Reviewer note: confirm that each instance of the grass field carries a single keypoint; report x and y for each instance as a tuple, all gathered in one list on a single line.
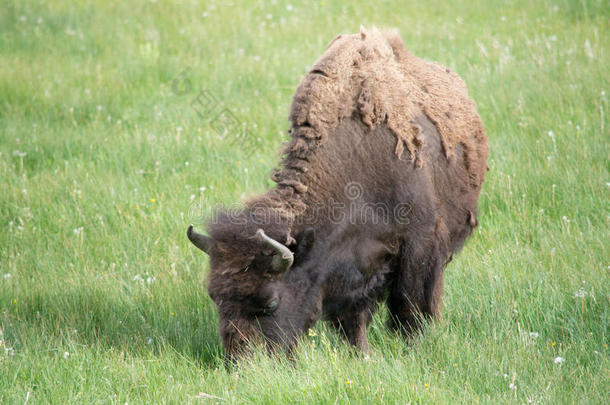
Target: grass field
[(109, 149)]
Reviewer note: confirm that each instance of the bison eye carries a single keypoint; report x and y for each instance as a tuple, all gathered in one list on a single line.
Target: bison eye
[(271, 306)]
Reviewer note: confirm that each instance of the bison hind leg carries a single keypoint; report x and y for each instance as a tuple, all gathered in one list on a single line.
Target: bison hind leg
[(415, 294)]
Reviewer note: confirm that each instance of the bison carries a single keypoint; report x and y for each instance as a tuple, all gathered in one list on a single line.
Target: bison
[(377, 189)]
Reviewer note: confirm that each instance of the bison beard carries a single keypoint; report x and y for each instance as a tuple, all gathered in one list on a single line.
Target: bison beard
[(377, 189)]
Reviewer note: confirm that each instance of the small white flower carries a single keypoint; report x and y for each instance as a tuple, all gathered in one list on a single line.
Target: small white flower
[(534, 335), (150, 280), (66, 355), (138, 277), (149, 341), (512, 386), (7, 276), (179, 129), (204, 14), (559, 360), (99, 107), (202, 189), (289, 7), (78, 231), (551, 133), (581, 293)]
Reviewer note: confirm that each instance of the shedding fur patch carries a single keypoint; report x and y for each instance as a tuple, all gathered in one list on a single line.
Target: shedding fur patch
[(372, 74)]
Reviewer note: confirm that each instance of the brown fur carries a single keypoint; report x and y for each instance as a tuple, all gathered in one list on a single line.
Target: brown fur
[(405, 129)]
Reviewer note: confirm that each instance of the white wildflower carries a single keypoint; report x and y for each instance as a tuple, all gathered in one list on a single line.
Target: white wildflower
[(150, 280), (7, 276), (138, 277), (588, 49), (559, 360), (78, 231), (66, 355), (581, 293)]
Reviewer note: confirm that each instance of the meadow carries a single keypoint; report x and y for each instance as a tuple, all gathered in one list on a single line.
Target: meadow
[(117, 130)]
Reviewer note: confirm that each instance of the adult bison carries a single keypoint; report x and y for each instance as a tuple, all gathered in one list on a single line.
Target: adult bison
[(377, 189)]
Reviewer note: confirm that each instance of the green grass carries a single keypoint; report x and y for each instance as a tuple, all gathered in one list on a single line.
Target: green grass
[(102, 167)]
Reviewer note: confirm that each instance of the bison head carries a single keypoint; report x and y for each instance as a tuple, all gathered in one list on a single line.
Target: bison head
[(249, 284)]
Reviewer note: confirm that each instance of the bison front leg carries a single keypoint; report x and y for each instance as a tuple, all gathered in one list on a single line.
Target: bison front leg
[(353, 327), (416, 292)]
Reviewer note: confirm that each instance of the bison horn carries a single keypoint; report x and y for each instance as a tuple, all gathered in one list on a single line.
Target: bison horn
[(201, 241), (283, 258)]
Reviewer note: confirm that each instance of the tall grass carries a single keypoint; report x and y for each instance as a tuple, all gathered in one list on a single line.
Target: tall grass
[(104, 162)]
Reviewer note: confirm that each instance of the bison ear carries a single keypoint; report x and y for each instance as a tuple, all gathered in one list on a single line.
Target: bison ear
[(305, 241)]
